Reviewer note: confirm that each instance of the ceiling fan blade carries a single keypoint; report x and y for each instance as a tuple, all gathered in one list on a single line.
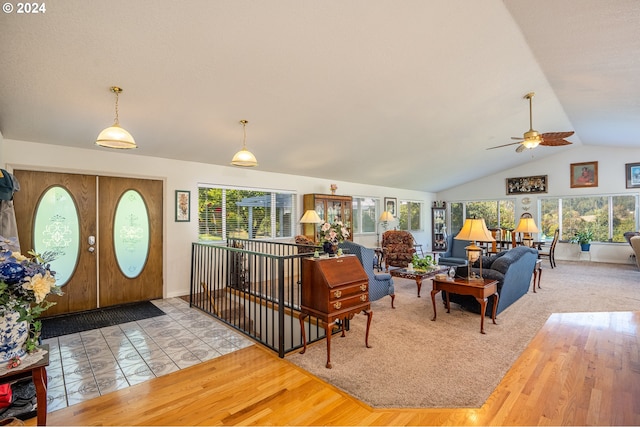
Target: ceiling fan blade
[(517, 138), (556, 135), (521, 148), (555, 142), (504, 145)]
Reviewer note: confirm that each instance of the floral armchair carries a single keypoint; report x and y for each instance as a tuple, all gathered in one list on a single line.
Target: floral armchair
[(305, 245), (397, 247)]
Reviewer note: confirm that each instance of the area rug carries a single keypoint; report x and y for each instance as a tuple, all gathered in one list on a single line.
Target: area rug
[(99, 318), (417, 363)]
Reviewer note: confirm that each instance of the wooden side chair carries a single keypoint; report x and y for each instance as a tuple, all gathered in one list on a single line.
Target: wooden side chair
[(551, 252)]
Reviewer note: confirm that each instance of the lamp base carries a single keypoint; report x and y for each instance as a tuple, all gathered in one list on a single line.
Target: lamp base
[(476, 279)]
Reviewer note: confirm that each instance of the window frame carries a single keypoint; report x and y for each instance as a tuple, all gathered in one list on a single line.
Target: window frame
[(273, 207), (610, 209), (406, 224)]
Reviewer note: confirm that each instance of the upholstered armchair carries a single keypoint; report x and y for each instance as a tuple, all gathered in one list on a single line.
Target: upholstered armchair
[(381, 284), (398, 248), (305, 245)]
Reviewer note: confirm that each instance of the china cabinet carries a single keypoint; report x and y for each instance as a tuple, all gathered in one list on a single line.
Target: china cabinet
[(330, 208), (439, 228)]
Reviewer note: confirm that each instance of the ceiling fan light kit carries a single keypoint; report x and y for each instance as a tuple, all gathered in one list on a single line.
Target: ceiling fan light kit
[(532, 138)]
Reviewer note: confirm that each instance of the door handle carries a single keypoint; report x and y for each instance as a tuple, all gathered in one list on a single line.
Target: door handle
[(91, 240)]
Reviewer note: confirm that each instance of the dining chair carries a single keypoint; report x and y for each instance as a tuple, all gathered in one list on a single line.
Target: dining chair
[(551, 252)]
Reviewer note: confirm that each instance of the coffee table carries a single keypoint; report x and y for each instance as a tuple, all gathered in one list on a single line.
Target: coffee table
[(418, 275), (480, 289)]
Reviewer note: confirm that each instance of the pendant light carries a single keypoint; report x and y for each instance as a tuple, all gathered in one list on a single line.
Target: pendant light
[(116, 136), (244, 157)]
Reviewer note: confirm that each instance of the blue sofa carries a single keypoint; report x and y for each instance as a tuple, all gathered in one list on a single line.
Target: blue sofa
[(381, 284), (512, 269), (455, 255)]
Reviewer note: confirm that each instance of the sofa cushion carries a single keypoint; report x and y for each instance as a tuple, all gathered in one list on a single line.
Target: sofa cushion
[(487, 261)]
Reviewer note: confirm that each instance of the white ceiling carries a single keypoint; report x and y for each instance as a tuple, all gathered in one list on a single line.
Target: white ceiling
[(405, 93)]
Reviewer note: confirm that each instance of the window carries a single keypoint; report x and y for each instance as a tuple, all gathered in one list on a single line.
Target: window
[(609, 217), (410, 216), (496, 213), (365, 214), (250, 214)]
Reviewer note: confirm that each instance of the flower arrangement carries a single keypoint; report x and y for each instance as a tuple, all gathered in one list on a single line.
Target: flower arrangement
[(25, 283), (333, 233)]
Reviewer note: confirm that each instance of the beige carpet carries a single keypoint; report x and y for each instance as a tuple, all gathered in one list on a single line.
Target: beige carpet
[(415, 362)]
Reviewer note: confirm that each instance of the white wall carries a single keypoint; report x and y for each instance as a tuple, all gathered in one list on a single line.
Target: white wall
[(180, 175), (611, 180)]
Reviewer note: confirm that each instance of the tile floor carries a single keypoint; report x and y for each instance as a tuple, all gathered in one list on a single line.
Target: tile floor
[(92, 363)]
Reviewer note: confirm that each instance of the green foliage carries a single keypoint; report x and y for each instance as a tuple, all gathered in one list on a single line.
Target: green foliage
[(425, 263), (582, 237)]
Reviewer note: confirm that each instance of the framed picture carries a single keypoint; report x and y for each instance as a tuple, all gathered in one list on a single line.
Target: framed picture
[(527, 184), (390, 205), (183, 206), (584, 174), (633, 175)]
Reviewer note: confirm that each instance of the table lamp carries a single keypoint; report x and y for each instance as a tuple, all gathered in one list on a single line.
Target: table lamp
[(310, 217), (527, 226), (474, 230)]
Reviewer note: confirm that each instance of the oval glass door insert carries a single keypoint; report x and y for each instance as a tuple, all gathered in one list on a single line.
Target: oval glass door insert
[(131, 233), (56, 228)]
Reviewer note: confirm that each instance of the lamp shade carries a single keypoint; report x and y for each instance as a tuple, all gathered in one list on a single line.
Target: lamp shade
[(311, 217), (475, 229), (527, 225), (386, 216), (244, 158), (116, 137)]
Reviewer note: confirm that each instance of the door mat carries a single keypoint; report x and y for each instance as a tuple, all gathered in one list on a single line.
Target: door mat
[(93, 319)]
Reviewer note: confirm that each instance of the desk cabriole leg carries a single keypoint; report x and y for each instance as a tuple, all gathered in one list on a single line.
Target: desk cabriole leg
[(369, 314), (40, 383), (301, 317)]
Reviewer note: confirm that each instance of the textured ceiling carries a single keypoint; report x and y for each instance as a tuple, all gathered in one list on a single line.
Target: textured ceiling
[(405, 94)]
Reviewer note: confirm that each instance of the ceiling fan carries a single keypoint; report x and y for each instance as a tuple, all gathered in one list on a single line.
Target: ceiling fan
[(532, 138)]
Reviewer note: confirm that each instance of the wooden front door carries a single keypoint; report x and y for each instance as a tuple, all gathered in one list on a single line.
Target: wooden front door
[(96, 280)]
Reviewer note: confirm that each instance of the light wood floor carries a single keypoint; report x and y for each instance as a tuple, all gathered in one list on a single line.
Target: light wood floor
[(580, 369)]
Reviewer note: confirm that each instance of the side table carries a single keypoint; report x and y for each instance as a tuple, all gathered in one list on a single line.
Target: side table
[(38, 372), (478, 289)]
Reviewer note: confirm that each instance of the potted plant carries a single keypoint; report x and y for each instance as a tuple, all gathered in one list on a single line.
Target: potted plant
[(583, 238)]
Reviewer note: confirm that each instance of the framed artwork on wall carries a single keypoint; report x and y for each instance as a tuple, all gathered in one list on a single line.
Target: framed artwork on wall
[(527, 185), (390, 205), (183, 206), (584, 174), (633, 175)]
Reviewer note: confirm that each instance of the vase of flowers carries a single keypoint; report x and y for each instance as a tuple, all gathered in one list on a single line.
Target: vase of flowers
[(25, 283), (331, 235)]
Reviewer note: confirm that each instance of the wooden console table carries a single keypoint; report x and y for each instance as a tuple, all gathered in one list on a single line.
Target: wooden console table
[(38, 372), (478, 289), (333, 289)]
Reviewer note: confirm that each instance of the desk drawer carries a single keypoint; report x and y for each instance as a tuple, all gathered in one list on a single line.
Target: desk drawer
[(336, 294)]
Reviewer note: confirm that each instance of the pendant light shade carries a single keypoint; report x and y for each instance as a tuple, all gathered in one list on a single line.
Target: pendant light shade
[(244, 157), (115, 136)]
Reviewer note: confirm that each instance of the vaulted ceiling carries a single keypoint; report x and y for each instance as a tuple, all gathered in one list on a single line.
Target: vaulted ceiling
[(406, 93)]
